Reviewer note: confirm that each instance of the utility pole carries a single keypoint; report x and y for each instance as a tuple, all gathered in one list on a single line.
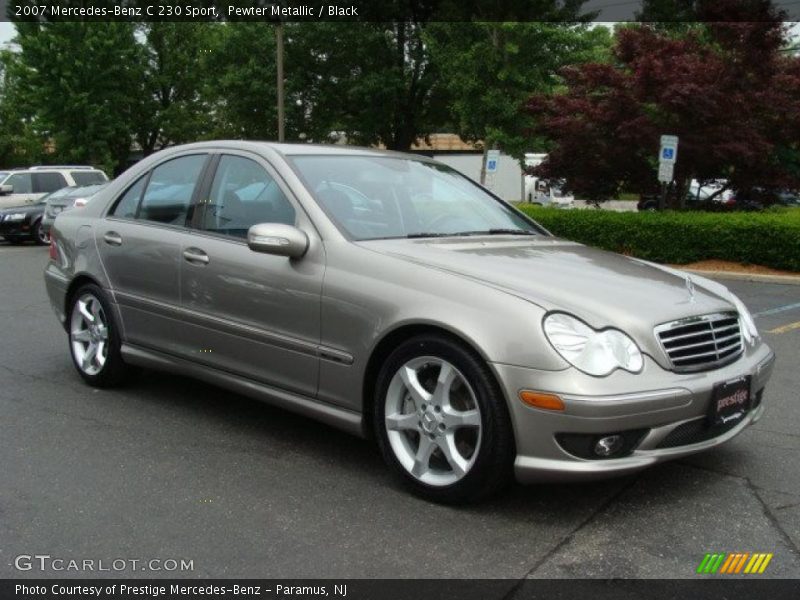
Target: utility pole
[(279, 49)]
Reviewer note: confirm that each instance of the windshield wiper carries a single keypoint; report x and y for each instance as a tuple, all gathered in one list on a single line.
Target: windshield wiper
[(505, 231), (425, 234)]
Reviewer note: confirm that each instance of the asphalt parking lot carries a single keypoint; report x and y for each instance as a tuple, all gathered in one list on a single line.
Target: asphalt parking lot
[(171, 468)]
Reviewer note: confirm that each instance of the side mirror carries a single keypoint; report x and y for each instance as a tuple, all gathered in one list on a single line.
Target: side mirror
[(6, 189), (277, 239)]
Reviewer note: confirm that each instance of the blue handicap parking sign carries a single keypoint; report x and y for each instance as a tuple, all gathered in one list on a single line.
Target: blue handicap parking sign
[(491, 165), (668, 153)]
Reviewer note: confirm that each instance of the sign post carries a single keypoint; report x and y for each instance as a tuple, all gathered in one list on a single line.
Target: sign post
[(667, 156), (492, 160)]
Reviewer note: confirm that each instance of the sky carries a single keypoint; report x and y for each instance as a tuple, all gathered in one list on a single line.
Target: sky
[(6, 32)]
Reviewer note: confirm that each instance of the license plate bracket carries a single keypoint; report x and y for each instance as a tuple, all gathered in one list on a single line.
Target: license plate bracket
[(730, 401)]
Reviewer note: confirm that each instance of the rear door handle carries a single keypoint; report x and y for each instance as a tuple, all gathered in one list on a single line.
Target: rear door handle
[(195, 256), (112, 238)]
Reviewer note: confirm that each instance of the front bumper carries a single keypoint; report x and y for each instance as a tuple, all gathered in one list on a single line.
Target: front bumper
[(670, 408), (16, 229)]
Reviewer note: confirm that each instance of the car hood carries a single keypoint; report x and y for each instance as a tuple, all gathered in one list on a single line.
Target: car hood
[(602, 288)]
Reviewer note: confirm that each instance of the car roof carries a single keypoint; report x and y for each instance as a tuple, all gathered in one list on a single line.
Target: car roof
[(299, 149), (32, 170)]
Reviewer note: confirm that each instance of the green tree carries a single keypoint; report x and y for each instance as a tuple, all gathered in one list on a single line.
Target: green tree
[(81, 85), (174, 105), (241, 83), (19, 144), (491, 69), (374, 82)]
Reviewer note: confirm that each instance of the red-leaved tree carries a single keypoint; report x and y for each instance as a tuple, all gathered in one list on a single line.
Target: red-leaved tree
[(725, 87)]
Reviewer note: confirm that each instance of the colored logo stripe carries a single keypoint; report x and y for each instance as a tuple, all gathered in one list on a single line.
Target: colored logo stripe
[(734, 563)]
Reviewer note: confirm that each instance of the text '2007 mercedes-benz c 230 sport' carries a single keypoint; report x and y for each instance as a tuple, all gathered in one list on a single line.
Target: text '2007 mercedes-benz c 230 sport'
[(393, 297)]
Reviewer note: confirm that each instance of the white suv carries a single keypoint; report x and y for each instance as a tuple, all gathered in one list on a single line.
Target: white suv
[(25, 186)]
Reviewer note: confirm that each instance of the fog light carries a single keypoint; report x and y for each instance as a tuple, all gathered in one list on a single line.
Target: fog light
[(609, 445)]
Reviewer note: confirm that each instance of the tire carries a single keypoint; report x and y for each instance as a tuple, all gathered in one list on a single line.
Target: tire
[(105, 367), (448, 435), (39, 236)]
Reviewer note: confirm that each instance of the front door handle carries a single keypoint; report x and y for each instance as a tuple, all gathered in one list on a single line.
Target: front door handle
[(195, 256), (112, 238)]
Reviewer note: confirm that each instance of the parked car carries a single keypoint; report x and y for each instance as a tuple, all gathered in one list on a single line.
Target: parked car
[(25, 186), (711, 196), (65, 199), (758, 197), (19, 224), (788, 198), (541, 192), (713, 191), (436, 318)]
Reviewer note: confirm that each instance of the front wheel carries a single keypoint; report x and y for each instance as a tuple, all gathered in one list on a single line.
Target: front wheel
[(94, 340), (40, 236), (441, 421)]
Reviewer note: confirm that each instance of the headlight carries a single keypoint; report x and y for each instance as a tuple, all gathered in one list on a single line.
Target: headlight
[(749, 331), (15, 217), (593, 352)]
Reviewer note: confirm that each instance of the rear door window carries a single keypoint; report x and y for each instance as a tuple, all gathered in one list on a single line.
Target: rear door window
[(170, 189), (127, 205), (46, 182)]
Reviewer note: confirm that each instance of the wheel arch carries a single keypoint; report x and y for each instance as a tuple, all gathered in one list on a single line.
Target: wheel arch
[(390, 340)]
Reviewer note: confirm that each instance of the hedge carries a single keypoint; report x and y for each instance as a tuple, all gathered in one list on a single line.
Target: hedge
[(769, 238)]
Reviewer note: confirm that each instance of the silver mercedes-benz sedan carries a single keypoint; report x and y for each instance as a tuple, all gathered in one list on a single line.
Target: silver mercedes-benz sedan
[(391, 296)]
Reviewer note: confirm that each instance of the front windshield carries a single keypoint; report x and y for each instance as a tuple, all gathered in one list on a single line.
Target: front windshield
[(3, 176), (385, 197)]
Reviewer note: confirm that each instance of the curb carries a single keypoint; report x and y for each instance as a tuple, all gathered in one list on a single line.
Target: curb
[(754, 277)]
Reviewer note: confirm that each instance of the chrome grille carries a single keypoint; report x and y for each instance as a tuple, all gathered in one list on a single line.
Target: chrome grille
[(701, 343)]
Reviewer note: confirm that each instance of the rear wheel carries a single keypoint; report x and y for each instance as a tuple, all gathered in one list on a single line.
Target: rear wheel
[(94, 340), (441, 422)]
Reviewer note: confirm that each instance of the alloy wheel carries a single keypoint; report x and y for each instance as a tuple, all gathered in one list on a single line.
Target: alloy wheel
[(41, 235), (89, 334), (433, 421)]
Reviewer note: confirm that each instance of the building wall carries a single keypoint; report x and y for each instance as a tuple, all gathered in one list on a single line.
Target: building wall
[(506, 182)]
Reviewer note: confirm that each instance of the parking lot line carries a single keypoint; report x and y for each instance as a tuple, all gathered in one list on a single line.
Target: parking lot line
[(775, 311), (785, 328)]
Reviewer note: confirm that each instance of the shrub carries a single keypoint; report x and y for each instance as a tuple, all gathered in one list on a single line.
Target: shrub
[(769, 238)]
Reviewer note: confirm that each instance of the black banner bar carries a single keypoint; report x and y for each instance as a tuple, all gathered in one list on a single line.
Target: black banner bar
[(743, 587), (395, 10)]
